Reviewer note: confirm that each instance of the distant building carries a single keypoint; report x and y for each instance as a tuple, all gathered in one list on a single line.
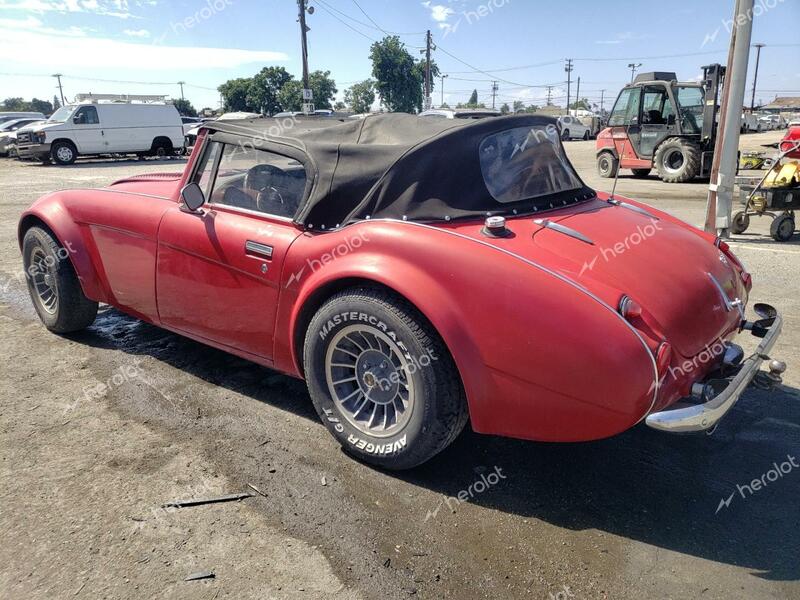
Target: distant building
[(783, 104)]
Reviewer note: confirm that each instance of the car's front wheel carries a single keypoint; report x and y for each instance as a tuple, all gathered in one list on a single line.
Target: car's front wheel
[(382, 380), (63, 153), (53, 285)]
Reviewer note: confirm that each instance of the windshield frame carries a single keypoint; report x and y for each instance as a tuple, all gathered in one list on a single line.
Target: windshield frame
[(67, 110)]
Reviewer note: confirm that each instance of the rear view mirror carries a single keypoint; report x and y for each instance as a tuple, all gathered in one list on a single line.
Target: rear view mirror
[(192, 197)]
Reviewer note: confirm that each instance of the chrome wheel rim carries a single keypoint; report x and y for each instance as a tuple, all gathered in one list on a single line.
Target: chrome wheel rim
[(64, 153), (369, 380), (44, 281)]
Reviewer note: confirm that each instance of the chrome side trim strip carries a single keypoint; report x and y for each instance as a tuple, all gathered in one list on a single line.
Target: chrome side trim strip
[(258, 248), (566, 280), (563, 229), (633, 207)]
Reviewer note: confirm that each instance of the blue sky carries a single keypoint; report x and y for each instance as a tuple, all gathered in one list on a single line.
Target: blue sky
[(205, 42)]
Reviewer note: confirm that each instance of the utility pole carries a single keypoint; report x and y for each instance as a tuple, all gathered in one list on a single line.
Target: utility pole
[(427, 103), (633, 67), (181, 83), (568, 69), (442, 77), (602, 97), (549, 95), (719, 204), (308, 106), (755, 77), (577, 96), (60, 89), (494, 92)]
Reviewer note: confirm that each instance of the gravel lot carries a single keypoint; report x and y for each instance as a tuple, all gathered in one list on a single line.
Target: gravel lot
[(84, 475)]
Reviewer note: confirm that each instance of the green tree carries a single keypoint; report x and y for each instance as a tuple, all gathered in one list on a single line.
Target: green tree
[(398, 78), (43, 106), (262, 94), (339, 106), (14, 104), (56, 103), (583, 104), (360, 96), (473, 99), (505, 108), (518, 106), (290, 96), (234, 94), (185, 108)]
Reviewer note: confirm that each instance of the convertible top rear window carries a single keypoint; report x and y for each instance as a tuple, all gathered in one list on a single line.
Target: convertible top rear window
[(525, 163)]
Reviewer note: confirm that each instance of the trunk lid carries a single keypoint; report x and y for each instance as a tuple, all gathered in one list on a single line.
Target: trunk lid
[(663, 266)]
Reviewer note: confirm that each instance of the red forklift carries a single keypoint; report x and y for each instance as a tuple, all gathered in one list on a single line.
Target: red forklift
[(658, 122)]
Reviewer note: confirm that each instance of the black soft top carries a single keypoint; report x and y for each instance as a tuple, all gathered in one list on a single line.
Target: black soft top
[(395, 165)]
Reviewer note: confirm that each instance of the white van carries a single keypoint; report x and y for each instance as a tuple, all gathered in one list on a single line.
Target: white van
[(90, 128)]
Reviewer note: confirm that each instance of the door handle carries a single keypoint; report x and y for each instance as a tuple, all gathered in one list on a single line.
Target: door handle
[(258, 249)]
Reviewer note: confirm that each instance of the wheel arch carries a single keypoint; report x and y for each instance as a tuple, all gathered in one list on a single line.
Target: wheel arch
[(441, 316), (53, 218)]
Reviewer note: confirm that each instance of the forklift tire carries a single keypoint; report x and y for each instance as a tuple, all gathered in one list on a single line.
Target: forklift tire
[(740, 222), (607, 165), (782, 228), (640, 173), (677, 160)]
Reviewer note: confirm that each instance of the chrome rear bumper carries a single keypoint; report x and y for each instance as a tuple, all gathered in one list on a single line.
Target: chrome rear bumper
[(701, 417)]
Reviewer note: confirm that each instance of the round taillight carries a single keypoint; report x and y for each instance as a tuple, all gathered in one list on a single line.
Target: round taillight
[(629, 308)]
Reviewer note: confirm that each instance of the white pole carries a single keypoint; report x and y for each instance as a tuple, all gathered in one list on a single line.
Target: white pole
[(728, 144)]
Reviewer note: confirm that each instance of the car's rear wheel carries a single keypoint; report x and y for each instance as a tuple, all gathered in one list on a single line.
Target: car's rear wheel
[(63, 153), (53, 285), (607, 165), (565, 135), (382, 380), (585, 135), (162, 148)]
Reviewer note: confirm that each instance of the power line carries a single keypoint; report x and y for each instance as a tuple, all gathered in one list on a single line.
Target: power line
[(371, 20)]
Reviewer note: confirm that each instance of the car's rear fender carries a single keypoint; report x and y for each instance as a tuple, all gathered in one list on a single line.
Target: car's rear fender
[(540, 357)]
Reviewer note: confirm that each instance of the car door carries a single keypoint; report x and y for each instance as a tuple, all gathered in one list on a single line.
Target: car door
[(658, 119), (87, 130), (219, 269)]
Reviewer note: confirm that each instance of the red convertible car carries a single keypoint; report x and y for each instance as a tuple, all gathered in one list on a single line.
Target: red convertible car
[(418, 274)]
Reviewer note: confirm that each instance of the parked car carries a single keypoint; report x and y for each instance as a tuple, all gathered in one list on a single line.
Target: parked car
[(11, 141), (13, 116), (93, 128), (750, 123), (573, 129), (234, 116), (460, 113), (190, 123), (8, 132), (358, 255)]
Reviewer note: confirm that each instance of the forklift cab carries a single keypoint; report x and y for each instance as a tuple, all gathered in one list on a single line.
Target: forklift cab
[(651, 112)]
